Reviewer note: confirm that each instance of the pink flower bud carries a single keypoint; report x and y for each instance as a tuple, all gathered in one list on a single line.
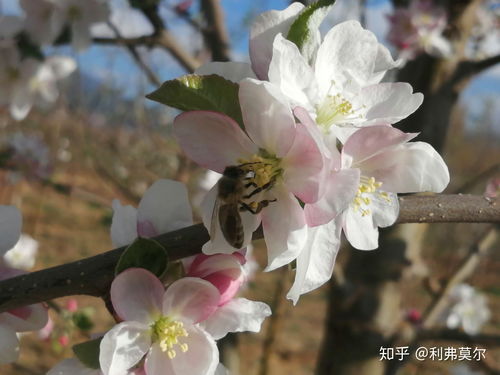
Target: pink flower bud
[(72, 305), (492, 188), (414, 316), (63, 340), (224, 271)]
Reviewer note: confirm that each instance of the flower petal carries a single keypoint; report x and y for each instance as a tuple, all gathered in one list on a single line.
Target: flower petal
[(385, 209), (72, 366), (201, 358), (165, 205), (315, 263), (267, 116), (123, 346), (10, 227), (191, 299), (348, 52), (290, 71), (9, 345), (411, 167), (369, 142), (238, 315), (213, 140), (303, 167), (284, 228), (389, 102), (262, 33), (137, 295), (123, 224), (26, 318), (233, 71), (360, 230), (341, 189)]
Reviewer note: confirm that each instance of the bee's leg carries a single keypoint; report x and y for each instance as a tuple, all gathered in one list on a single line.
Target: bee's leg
[(251, 183), (264, 187), (261, 205)]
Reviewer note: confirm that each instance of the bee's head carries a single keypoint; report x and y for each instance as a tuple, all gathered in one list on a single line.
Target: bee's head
[(234, 171)]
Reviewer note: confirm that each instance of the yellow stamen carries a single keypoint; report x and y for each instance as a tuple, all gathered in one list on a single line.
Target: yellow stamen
[(167, 332), (368, 185)]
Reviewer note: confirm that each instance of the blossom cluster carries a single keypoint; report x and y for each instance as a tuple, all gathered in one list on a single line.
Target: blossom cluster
[(308, 152), (27, 77)]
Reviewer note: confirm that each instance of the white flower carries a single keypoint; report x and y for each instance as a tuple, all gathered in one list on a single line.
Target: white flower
[(47, 18), (419, 28), (469, 309), (163, 208), (23, 254), (170, 328)]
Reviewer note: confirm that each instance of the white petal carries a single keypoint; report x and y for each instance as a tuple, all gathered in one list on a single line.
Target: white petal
[(10, 227), (290, 71), (61, 66), (9, 345), (123, 224), (348, 51), (238, 315), (385, 209), (360, 230), (263, 31), (284, 228), (166, 205), (123, 346), (388, 103), (267, 116), (201, 358), (233, 71), (409, 168), (315, 262)]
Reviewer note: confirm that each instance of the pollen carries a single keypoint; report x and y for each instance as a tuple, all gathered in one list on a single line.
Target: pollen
[(335, 109), (167, 332), (264, 168), (363, 198)]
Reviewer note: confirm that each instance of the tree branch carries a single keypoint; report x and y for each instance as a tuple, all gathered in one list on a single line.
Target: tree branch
[(467, 69), (93, 276), (136, 56), (215, 33)]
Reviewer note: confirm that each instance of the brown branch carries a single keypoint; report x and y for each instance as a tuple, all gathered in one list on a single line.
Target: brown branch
[(215, 33), (136, 56), (92, 276), (467, 69)]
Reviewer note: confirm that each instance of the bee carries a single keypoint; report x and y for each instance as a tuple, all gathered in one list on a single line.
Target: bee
[(231, 193)]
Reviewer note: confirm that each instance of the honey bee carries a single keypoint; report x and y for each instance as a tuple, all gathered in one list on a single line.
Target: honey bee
[(231, 193)]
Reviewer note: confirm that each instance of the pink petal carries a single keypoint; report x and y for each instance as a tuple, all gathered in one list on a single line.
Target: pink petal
[(368, 142), (304, 167), (267, 116), (213, 140), (341, 188), (136, 295), (190, 299)]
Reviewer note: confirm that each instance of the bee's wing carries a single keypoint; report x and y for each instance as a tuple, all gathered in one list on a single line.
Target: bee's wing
[(231, 225), (214, 221)]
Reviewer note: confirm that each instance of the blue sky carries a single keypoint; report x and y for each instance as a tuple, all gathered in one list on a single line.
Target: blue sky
[(114, 65)]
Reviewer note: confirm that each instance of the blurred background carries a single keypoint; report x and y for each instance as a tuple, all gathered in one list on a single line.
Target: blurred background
[(97, 138)]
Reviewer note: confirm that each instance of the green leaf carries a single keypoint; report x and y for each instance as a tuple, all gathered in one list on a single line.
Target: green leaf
[(82, 321), (144, 253), (88, 353), (193, 92), (304, 30)]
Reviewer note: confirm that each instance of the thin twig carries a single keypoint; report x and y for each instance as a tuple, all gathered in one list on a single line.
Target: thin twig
[(480, 178), (93, 276), (136, 56), (467, 267)]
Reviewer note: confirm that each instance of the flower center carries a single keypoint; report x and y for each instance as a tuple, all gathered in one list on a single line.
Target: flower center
[(362, 200), (335, 109), (264, 169), (167, 332)]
